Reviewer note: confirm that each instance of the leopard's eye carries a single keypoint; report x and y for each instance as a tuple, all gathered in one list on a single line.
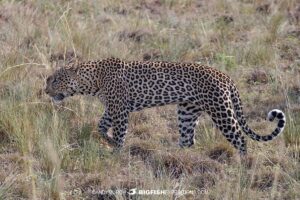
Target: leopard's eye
[(55, 81)]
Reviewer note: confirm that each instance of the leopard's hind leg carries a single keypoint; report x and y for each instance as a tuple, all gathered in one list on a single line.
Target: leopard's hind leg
[(230, 129), (227, 123), (187, 120)]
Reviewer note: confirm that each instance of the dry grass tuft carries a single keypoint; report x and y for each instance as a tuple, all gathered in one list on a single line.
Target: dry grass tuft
[(136, 36), (206, 180), (265, 180), (258, 76), (221, 153), (66, 57), (142, 131), (4, 136), (152, 55), (183, 163), (264, 9), (142, 150), (248, 161)]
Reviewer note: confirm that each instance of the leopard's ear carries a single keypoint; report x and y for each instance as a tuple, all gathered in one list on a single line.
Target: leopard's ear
[(72, 68)]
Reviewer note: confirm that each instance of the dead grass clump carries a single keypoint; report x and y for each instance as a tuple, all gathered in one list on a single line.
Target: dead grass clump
[(78, 184), (3, 18), (153, 7), (182, 163), (258, 76), (273, 161), (206, 165), (294, 152), (6, 128), (137, 118), (221, 153), (129, 184), (91, 180), (136, 36), (151, 55), (264, 9), (4, 137), (265, 180), (204, 181), (142, 150), (172, 165), (263, 104), (67, 57), (294, 91), (289, 52), (143, 131), (105, 196), (10, 162), (225, 19), (27, 43), (4, 90), (294, 33), (14, 186), (117, 10), (248, 161), (150, 124), (13, 181), (294, 15)]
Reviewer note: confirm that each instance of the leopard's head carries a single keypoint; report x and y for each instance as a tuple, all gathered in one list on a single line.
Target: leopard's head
[(62, 83)]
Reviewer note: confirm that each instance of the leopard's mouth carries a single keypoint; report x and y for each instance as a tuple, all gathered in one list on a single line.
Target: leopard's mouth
[(58, 97)]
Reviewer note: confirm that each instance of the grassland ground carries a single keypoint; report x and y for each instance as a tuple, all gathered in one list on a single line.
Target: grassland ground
[(52, 151)]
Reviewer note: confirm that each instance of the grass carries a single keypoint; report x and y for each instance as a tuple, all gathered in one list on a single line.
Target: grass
[(54, 152)]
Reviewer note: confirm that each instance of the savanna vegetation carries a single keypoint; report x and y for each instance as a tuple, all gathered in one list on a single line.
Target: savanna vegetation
[(50, 151)]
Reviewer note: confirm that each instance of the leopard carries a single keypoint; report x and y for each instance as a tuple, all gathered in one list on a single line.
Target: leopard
[(124, 87)]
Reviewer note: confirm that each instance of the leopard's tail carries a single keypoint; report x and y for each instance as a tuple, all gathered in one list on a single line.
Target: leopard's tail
[(272, 115)]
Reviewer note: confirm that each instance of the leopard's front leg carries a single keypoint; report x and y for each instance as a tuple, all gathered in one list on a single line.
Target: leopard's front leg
[(118, 121), (104, 124), (120, 125), (116, 97)]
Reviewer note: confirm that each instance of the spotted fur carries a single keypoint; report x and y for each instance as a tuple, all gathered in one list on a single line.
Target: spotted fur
[(124, 87)]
